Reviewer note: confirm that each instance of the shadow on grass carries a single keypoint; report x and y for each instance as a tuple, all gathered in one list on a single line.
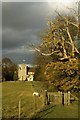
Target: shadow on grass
[(47, 109)]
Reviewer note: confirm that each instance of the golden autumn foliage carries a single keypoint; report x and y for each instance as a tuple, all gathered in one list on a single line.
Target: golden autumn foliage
[(64, 75), (58, 43)]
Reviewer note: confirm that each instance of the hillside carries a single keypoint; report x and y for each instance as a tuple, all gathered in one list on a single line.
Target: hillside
[(54, 111), (23, 91), (0, 73), (32, 107)]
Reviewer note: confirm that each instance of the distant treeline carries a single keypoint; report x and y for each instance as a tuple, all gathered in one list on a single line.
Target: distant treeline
[(9, 70)]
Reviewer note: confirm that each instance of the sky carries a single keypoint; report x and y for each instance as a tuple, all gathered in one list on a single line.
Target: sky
[(21, 24)]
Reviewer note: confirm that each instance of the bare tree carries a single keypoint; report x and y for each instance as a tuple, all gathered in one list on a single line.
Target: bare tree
[(60, 35)]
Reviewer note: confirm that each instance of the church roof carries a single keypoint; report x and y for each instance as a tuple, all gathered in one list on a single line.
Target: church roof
[(31, 70)]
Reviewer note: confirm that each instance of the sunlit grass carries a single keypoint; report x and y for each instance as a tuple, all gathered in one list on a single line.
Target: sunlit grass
[(15, 91), (58, 111), (31, 106)]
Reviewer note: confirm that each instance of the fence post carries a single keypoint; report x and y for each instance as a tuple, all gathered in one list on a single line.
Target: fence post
[(19, 109), (65, 98), (34, 103), (45, 97), (49, 98), (60, 97), (68, 96)]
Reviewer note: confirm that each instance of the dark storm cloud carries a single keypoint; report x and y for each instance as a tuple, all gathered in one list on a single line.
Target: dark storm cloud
[(0, 32), (22, 16), (22, 22), (12, 38)]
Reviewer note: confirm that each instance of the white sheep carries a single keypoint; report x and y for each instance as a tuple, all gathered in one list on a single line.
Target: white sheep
[(36, 94)]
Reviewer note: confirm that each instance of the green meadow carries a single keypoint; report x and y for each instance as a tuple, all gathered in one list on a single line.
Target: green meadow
[(15, 92), (18, 102), (58, 111)]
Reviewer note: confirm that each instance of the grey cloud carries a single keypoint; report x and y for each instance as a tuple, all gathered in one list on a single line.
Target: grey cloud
[(24, 15), (21, 22), (19, 57), (13, 39)]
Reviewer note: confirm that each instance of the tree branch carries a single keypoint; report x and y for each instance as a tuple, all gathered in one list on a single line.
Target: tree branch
[(45, 54), (67, 20)]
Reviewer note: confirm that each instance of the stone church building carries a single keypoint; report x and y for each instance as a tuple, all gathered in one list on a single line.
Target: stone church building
[(25, 73)]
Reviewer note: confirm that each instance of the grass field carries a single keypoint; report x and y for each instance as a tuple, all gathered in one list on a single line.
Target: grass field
[(58, 111), (30, 106), (23, 91), (0, 100)]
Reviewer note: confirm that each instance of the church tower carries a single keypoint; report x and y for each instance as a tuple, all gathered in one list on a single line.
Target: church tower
[(22, 72)]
